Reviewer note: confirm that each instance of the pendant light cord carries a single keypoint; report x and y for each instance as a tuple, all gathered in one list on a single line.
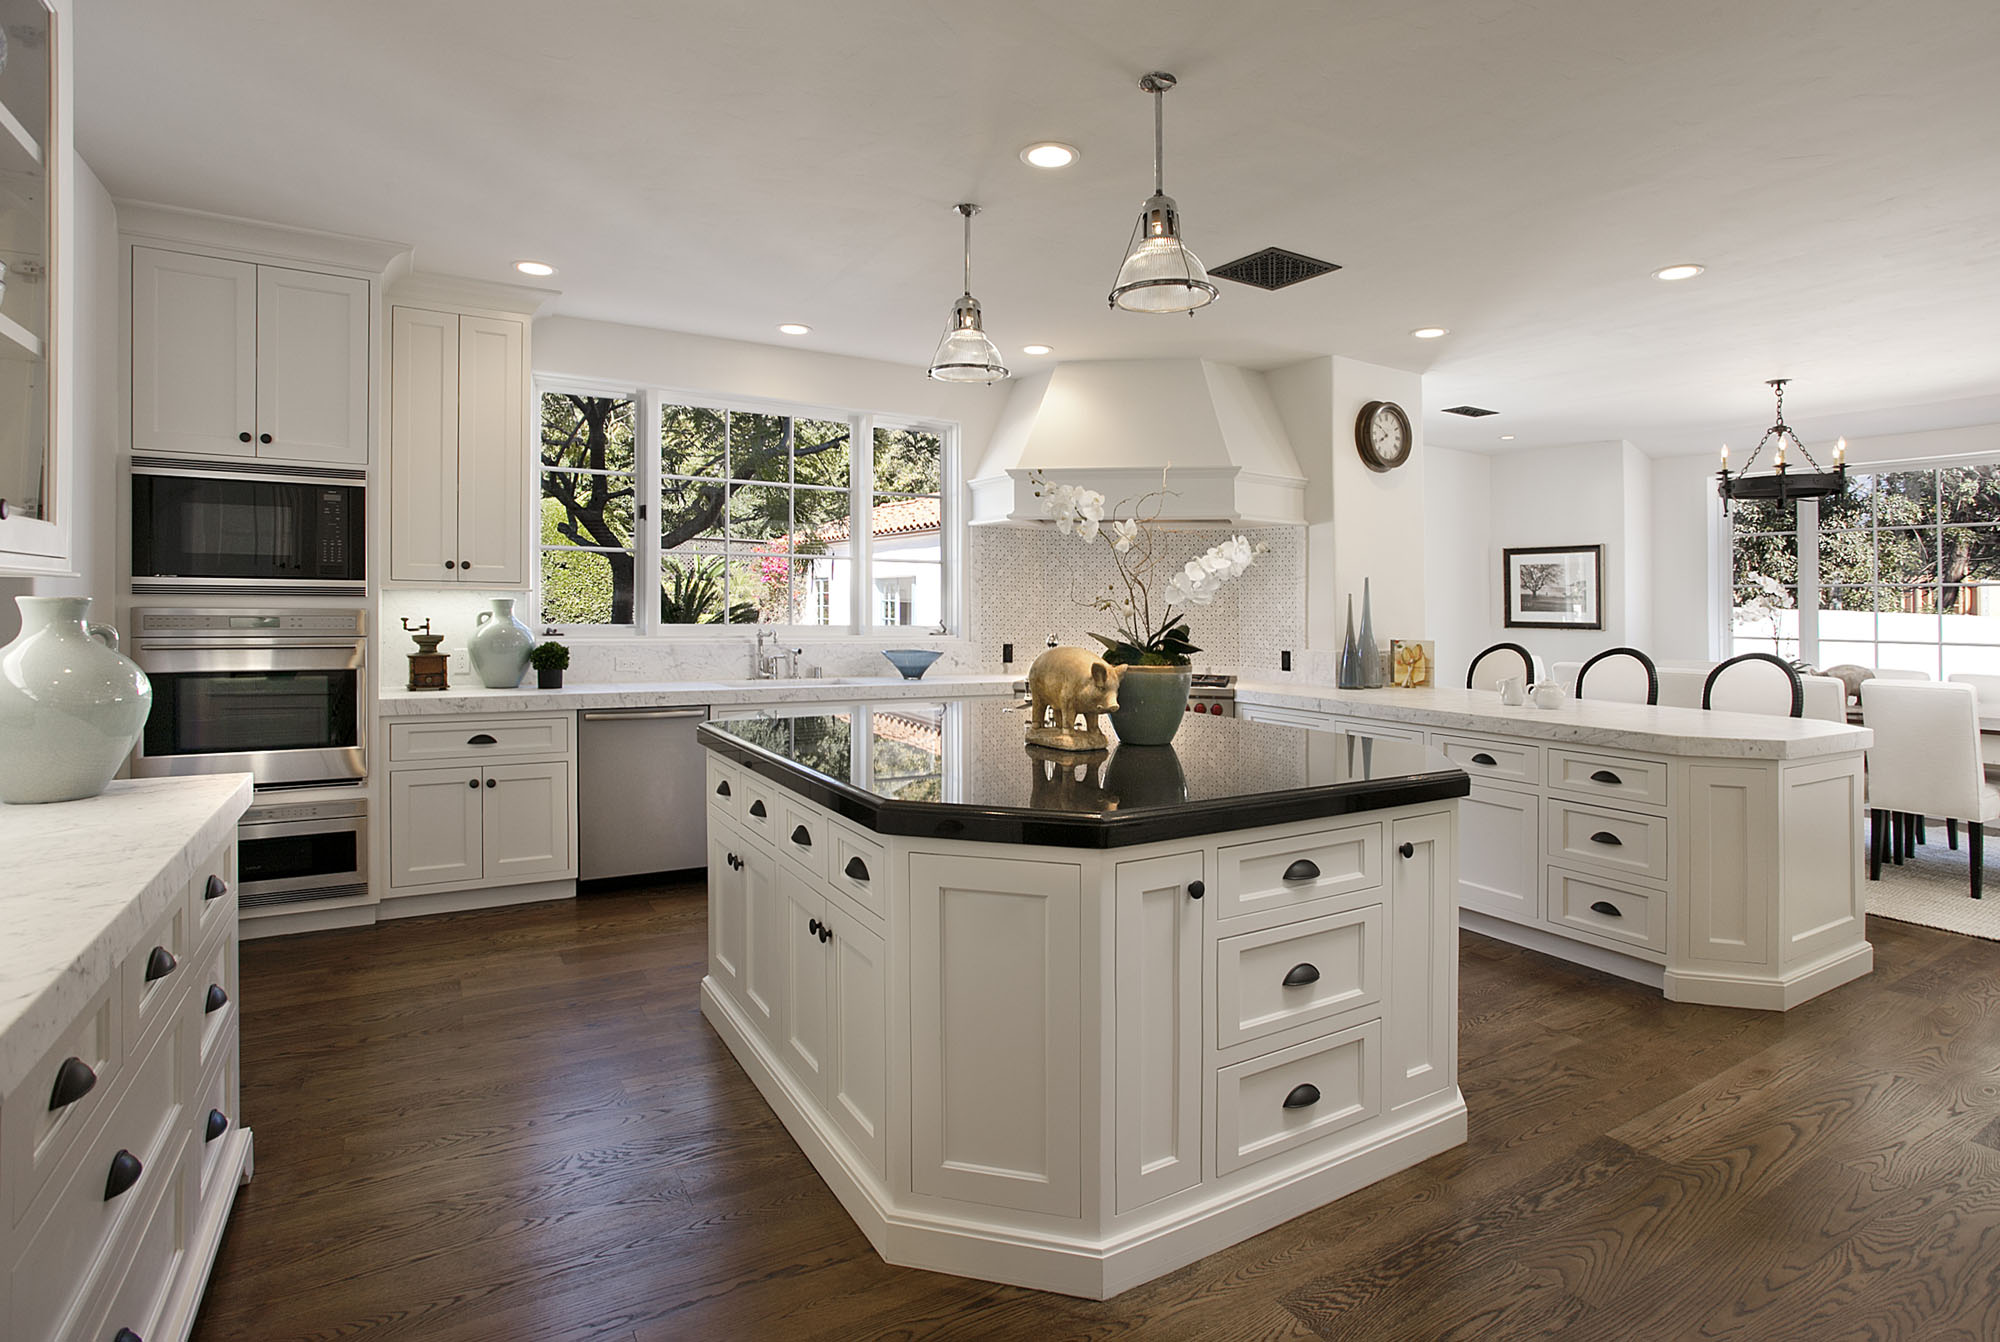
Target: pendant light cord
[(967, 210), (1159, 138)]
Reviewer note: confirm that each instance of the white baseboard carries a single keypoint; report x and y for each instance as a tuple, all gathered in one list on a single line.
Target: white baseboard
[(1563, 948), (459, 901)]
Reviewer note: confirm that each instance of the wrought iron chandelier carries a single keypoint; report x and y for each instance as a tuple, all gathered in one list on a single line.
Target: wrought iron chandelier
[(1160, 274), (1783, 484)]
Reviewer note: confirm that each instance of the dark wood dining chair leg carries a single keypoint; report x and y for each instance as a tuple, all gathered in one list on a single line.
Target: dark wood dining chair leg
[(1923, 835), (1899, 836), (1951, 834), (1975, 839), (1878, 838)]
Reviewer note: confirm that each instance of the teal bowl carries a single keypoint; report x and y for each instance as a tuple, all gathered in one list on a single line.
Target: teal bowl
[(912, 662)]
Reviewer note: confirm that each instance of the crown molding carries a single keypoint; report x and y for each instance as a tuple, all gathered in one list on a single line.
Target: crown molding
[(254, 240)]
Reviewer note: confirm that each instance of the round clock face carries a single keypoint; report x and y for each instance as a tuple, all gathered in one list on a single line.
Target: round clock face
[(1382, 433)]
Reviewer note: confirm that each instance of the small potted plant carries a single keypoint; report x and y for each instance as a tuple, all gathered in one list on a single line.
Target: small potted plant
[(549, 661)]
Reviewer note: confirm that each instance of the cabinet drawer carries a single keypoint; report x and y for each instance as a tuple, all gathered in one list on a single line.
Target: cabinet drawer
[(34, 1137), (1508, 761), (1289, 717), (138, 1282), (218, 1094), (725, 788), (1619, 840), (1302, 1094), (1285, 976), (155, 973), (1619, 780), (763, 804), (1283, 873), (214, 897), (64, 1248), (478, 738), (802, 835), (1591, 904), (213, 981), (858, 868)]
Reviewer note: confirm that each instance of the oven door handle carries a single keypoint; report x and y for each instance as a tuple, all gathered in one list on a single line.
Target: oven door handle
[(184, 659)]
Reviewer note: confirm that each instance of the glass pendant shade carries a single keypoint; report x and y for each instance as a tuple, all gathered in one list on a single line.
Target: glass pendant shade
[(1160, 274), (966, 354)]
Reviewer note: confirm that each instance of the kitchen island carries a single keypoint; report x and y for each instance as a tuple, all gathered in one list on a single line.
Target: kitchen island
[(1071, 1021)]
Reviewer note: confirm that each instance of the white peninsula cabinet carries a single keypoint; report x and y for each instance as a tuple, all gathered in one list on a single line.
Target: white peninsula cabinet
[(1076, 1045), (1716, 856)]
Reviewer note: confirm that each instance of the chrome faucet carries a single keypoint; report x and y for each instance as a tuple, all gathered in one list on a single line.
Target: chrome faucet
[(763, 665)]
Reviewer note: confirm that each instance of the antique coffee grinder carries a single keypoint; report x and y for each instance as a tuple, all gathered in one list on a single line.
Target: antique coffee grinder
[(427, 664)]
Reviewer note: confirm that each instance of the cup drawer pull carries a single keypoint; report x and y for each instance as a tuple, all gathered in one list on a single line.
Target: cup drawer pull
[(1483, 758), (125, 1171), (801, 836), (1606, 777), (1300, 975), (482, 739), (74, 1080), (218, 1123), (1607, 908), (722, 788), (1303, 1096), (1607, 838), (217, 999), (1305, 869), (160, 963), (757, 809), (856, 869), (215, 889)]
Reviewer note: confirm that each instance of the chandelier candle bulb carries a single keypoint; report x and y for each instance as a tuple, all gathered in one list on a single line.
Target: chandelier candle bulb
[(1840, 452)]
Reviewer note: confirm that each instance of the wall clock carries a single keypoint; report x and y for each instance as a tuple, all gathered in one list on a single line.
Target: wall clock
[(1382, 432)]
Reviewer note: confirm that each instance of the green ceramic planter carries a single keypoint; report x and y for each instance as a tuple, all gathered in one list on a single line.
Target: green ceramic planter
[(1152, 700)]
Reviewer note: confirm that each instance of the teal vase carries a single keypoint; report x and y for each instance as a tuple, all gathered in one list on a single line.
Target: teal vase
[(499, 647), (1152, 700)]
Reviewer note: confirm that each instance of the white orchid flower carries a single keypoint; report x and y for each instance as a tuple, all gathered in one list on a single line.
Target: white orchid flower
[(1124, 531), (1087, 528)]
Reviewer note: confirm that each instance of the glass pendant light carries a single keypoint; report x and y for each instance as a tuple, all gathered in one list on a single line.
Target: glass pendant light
[(1160, 274), (965, 354)]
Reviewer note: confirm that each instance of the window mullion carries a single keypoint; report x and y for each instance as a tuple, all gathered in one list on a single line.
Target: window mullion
[(646, 534), (861, 521), (1808, 586)]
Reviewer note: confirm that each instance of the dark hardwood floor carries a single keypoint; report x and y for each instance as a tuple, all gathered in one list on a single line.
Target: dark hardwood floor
[(515, 1125)]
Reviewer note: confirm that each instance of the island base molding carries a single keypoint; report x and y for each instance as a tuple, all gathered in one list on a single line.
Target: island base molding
[(1091, 1269)]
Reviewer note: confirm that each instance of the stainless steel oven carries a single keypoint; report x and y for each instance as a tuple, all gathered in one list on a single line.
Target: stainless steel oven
[(298, 852), (251, 528), (274, 693)]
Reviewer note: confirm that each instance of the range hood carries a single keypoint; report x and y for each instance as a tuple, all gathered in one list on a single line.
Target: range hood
[(1110, 426)]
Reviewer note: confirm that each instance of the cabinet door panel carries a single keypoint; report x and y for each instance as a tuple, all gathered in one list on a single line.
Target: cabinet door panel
[(527, 822), (1421, 1040), (726, 940), (435, 826), (802, 1046), (996, 1031), (493, 452), (857, 1003), (194, 354), (312, 366), (765, 947), (423, 445), (1158, 1028), (1500, 865)]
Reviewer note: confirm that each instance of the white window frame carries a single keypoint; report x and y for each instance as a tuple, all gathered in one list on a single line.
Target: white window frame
[(646, 622)]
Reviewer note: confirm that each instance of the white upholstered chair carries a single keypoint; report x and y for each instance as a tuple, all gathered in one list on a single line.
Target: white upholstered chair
[(1497, 663), (1925, 761), (1988, 690), (1755, 682), (1621, 675)]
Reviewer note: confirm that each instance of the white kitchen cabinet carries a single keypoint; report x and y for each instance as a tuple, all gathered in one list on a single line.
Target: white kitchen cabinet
[(1158, 1021), (1420, 1046), (727, 943), (488, 816), (231, 359), (803, 952), (857, 1047), (459, 453), (436, 826), (527, 822), (1500, 835), (764, 946)]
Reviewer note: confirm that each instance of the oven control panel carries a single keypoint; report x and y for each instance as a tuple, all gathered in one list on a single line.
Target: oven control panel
[(278, 812), (250, 623)]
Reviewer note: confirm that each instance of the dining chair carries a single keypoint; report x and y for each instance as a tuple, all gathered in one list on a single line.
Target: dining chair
[(1622, 675), (1755, 682), (1925, 761), (1891, 673), (1495, 664)]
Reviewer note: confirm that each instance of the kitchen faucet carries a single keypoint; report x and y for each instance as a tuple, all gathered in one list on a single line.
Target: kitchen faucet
[(766, 664)]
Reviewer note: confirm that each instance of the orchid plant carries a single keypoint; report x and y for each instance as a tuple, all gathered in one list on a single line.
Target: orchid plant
[(1146, 636)]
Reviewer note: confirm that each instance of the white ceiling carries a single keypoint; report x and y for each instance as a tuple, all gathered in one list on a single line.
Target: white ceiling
[(1510, 169)]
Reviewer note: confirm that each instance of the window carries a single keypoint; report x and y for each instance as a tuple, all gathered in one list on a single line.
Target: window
[(1902, 571), (757, 515)]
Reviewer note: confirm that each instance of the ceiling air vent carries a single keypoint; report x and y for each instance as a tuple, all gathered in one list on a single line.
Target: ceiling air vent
[(1470, 411), (1273, 268)]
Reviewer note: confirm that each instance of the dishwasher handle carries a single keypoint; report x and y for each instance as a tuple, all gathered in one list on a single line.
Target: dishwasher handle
[(641, 714)]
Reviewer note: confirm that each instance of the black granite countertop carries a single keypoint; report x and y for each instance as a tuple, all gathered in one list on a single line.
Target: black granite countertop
[(958, 769)]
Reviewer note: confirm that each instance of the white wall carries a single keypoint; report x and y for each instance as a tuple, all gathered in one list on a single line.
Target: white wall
[(1461, 567), (1686, 593)]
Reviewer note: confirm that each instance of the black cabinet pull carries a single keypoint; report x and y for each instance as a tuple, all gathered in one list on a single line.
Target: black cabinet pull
[(1305, 869), (492, 783), (218, 1123), (1196, 889), (812, 926), (263, 437), (465, 564), (126, 1335), (1483, 758), (472, 782), (483, 739), (1408, 850), (1607, 908), (1607, 777), (1607, 838), (757, 809), (801, 837), (125, 1171), (160, 963), (1301, 975), (825, 933), (243, 437), (856, 869), (722, 788), (215, 889), (217, 999), (1303, 1096), (74, 1080)]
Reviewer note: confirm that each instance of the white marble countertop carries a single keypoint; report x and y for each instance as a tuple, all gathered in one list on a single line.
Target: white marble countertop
[(85, 879), (401, 703), (1611, 726)]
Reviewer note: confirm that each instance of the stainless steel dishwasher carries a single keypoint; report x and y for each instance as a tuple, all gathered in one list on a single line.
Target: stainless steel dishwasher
[(639, 803)]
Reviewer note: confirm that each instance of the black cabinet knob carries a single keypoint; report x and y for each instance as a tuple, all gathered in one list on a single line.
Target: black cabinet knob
[(801, 837), (722, 788), (263, 437), (218, 1123), (465, 563), (1606, 776), (757, 809), (243, 437), (1300, 975), (1305, 869), (217, 999), (160, 963), (825, 933), (856, 869), (1303, 1096), (1607, 838), (74, 1080), (215, 889), (1483, 758), (450, 564), (812, 926), (492, 783), (1607, 908), (1196, 889), (1408, 850), (482, 739), (125, 1171)]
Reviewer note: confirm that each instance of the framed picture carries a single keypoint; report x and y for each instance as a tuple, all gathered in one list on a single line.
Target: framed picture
[(1553, 586)]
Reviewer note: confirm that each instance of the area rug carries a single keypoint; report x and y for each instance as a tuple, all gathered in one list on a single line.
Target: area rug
[(1931, 888)]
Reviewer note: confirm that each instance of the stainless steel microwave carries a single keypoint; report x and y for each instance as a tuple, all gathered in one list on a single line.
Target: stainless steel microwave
[(252, 528)]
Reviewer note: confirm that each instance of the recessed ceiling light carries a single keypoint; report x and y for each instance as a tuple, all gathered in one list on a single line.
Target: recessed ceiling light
[(534, 268), (1038, 349), (794, 328), (1506, 437), (1429, 332), (1050, 154), (1687, 270)]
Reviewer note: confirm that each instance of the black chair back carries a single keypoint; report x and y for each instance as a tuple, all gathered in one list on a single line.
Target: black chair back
[(1503, 651), (1652, 672), (1791, 674)]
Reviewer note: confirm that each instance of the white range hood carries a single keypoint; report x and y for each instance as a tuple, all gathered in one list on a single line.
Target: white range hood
[(1110, 426)]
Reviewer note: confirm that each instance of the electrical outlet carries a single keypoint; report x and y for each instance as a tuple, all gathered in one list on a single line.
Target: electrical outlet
[(625, 665), (1285, 660), (461, 663)]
